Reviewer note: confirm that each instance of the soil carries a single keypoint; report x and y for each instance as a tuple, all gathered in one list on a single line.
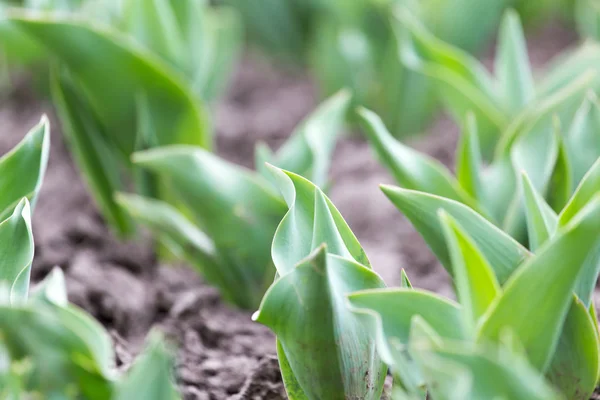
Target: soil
[(222, 354)]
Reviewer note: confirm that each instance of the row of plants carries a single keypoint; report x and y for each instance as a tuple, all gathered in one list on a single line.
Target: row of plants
[(517, 228)]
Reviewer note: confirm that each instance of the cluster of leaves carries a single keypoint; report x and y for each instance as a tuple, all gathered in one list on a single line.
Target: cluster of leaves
[(352, 44), (224, 216), (197, 42), (49, 347), (551, 134)]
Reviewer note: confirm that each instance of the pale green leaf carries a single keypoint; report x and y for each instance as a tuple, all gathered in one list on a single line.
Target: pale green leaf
[(582, 140), (553, 271), (468, 159), (411, 169), (541, 219), (327, 350), (502, 252), (585, 192), (311, 220), (150, 377), (512, 68), (22, 169), (16, 252), (574, 368), (474, 278)]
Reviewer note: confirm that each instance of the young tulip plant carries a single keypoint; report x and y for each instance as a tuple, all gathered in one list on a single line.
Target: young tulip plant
[(224, 216), (524, 326), (49, 348), (324, 350), (511, 102)]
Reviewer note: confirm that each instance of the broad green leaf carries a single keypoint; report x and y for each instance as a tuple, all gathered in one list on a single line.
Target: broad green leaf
[(585, 192), (561, 185), (96, 55), (582, 141), (311, 220), (328, 352), (502, 252), (553, 271), (52, 290), (93, 153), (455, 371), (574, 368), (150, 377), (22, 169), (223, 40), (474, 278), (188, 242), (512, 68), (67, 349), (587, 18), (468, 160), (411, 169), (388, 314), (153, 24), (541, 219), (463, 83), (235, 207), (309, 149), (16, 252)]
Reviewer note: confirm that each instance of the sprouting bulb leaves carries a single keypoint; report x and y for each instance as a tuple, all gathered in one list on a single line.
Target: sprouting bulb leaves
[(324, 351), (22, 169)]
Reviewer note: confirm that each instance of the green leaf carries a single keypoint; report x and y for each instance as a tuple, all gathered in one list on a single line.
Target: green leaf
[(502, 252), (468, 160), (388, 314), (22, 169), (411, 169), (574, 368), (153, 24), (463, 83), (308, 151), (541, 219), (585, 192), (237, 209), (553, 271), (150, 377), (457, 371), (328, 352), (188, 242), (513, 71), (96, 55), (52, 290), (474, 278), (582, 142), (560, 186), (95, 156), (16, 251), (311, 220)]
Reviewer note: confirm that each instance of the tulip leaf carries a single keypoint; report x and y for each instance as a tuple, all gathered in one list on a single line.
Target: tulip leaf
[(311, 220), (95, 55), (388, 314), (574, 368), (585, 192), (16, 251), (150, 377), (410, 169), (515, 79), (474, 278), (541, 219), (463, 83), (468, 160), (553, 271), (22, 169), (235, 207), (89, 146), (503, 253), (328, 352), (308, 151)]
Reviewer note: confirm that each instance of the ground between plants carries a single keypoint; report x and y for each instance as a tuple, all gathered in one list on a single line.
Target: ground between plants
[(221, 353)]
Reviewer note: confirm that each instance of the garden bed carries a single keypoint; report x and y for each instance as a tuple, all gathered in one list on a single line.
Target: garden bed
[(221, 353)]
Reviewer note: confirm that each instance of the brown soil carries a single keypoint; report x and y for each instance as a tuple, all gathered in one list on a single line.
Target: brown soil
[(222, 354)]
